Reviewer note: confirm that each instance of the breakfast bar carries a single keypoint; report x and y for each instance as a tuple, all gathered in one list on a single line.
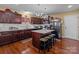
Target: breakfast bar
[(37, 35)]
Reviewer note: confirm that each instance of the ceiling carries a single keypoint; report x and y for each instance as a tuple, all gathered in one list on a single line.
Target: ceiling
[(40, 8)]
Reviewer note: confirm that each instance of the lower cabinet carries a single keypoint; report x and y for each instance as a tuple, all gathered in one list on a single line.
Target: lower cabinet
[(14, 36), (4, 39)]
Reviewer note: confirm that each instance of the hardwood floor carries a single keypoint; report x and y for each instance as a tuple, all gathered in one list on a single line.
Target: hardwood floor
[(64, 46)]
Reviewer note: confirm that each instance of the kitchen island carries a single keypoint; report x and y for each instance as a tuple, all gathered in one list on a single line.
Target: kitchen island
[(37, 35)]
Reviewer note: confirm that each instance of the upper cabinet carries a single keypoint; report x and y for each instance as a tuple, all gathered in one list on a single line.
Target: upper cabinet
[(36, 20), (8, 16)]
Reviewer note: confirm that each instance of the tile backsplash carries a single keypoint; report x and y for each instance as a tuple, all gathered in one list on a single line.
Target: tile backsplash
[(5, 27), (41, 25)]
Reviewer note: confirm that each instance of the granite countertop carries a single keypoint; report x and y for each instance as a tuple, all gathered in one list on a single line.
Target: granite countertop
[(16, 29), (19, 29), (42, 31)]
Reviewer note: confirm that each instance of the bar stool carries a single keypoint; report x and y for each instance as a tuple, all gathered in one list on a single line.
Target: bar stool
[(49, 41), (52, 37), (44, 44)]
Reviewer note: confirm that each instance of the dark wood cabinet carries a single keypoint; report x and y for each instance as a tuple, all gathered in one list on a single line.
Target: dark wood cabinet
[(8, 16), (36, 39), (36, 20), (1, 16), (12, 36)]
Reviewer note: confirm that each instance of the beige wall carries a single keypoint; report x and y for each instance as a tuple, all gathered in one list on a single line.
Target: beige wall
[(61, 15)]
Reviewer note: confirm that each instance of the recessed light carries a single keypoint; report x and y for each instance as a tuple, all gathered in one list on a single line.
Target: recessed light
[(69, 6)]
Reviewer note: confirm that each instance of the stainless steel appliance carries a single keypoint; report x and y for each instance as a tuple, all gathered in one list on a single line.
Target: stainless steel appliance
[(57, 25)]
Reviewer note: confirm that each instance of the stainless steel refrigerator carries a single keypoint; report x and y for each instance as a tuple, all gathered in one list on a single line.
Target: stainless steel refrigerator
[(57, 25)]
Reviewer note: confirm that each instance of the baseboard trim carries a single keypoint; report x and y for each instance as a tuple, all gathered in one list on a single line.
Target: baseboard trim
[(70, 38)]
